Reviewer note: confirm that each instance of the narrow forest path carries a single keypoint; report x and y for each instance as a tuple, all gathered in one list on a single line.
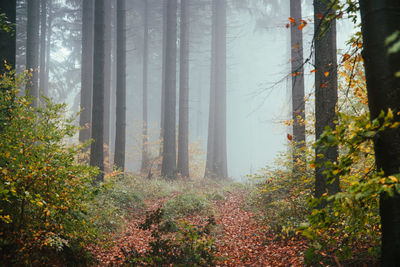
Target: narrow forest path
[(242, 239)]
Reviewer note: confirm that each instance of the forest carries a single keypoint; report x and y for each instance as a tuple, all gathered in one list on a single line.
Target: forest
[(200, 133)]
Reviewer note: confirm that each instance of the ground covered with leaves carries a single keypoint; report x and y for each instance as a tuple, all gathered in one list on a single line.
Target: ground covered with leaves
[(241, 237)]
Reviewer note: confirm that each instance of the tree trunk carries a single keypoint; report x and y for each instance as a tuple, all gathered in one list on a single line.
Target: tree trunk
[(48, 47), (169, 131), (210, 160), (325, 94), (107, 83), (8, 39), (119, 157), (164, 47), (183, 145), (43, 32), (86, 70), (96, 150), (145, 157), (32, 50), (216, 165), (298, 105), (380, 19)]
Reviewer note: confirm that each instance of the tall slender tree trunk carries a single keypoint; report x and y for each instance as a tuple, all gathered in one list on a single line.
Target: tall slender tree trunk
[(96, 150), (380, 19), (113, 82), (169, 131), (164, 47), (32, 50), (325, 94), (107, 83), (145, 156), (298, 105), (216, 165), (119, 157), (43, 32), (8, 39), (86, 70), (48, 46), (183, 141)]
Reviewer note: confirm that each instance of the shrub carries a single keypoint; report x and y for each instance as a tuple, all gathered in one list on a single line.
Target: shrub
[(175, 243), (187, 204), (43, 187)]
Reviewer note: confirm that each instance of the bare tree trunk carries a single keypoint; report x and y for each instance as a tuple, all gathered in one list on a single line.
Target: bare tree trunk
[(298, 105), (120, 134), (325, 94), (107, 83), (380, 19), (169, 131), (96, 150), (210, 160), (164, 47), (43, 26), (32, 50), (86, 70), (48, 47), (216, 165), (8, 39), (183, 145), (145, 157)]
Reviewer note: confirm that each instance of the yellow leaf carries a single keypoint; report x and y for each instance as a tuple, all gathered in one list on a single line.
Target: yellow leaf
[(394, 179), (395, 125), (295, 46), (326, 73)]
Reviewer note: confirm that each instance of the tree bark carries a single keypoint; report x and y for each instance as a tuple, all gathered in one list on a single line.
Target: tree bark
[(8, 39), (380, 19), (107, 83), (216, 165), (145, 157), (48, 47), (169, 131), (43, 32), (298, 105), (164, 47), (32, 50), (96, 150), (183, 141), (86, 70), (325, 94), (120, 134)]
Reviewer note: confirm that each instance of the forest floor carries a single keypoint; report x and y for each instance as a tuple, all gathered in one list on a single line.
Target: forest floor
[(242, 240)]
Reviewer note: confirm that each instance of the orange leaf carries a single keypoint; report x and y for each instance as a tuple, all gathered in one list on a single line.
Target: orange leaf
[(323, 85), (295, 46), (345, 57), (301, 26), (289, 137), (312, 71), (292, 20), (319, 16), (296, 73), (326, 73), (287, 25)]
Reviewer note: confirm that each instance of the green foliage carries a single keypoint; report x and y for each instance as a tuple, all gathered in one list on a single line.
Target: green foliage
[(282, 194), (43, 186), (175, 243), (6, 25), (187, 204)]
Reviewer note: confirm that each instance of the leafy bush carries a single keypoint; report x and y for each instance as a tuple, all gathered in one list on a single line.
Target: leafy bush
[(187, 204), (175, 243), (43, 187)]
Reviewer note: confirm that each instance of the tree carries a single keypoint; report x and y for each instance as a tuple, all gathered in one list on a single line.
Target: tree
[(96, 149), (183, 141), (43, 33), (163, 52), (296, 48), (86, 70), (169, 132), (325, 92), (145, 157), (32, 50), (380, 19), (107, 81), (216, 165), (7, 34), (119, 158)]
